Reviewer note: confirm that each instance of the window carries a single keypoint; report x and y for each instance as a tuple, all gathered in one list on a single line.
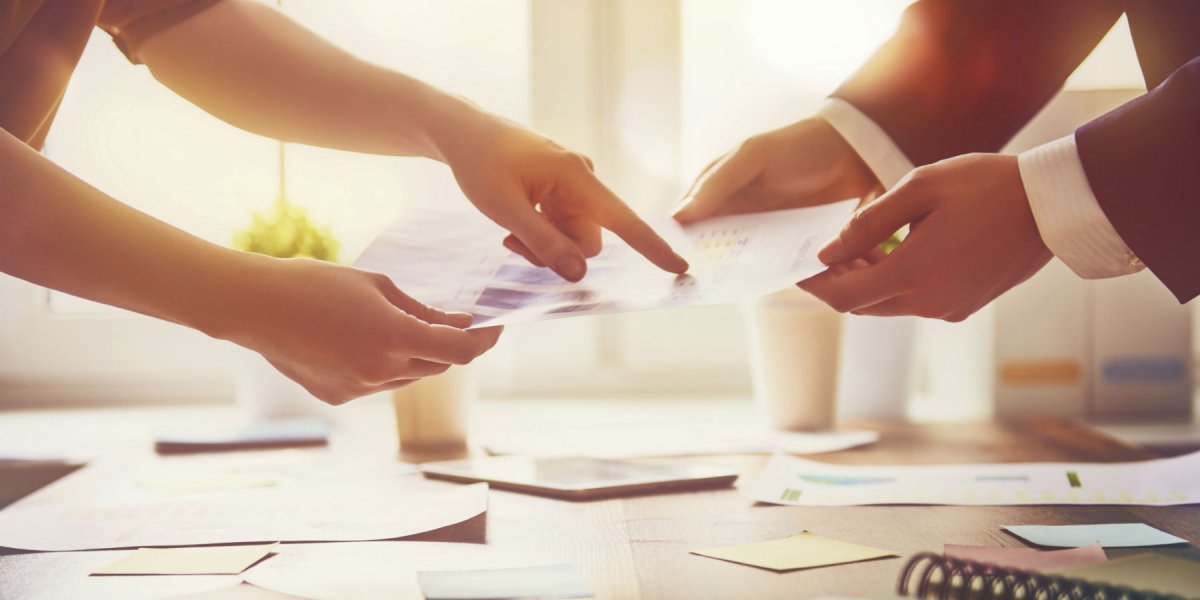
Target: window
[(651, 90)]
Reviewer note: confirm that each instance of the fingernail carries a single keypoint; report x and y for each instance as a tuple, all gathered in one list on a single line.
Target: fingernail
[(830, 252), (681, 265), (460, 319), (570, 267)]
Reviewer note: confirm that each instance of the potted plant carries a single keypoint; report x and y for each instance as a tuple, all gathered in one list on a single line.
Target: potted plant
[(284, 231)]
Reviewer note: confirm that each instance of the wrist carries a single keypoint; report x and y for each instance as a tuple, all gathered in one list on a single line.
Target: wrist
[(848, 163), (453, 127), (232, 292)]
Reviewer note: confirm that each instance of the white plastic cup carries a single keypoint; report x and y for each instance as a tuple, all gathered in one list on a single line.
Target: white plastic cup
[(431, 415), (794, 343)]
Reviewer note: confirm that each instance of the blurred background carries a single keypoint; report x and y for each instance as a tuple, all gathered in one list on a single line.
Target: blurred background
[(652, 91)]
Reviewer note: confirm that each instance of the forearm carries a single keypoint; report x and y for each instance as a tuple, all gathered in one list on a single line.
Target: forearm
[(59, 232), (255, 68)]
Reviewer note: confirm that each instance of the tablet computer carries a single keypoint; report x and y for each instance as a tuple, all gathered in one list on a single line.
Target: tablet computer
[(580, 478)]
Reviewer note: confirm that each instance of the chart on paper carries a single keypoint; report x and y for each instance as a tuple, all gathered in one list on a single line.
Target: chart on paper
[(454, 261), (799, 482)]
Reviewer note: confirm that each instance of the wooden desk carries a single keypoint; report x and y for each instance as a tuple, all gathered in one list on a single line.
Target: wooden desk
[(638, 547)]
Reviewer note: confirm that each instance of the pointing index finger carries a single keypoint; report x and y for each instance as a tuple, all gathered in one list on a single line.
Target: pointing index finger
[(611, 213)]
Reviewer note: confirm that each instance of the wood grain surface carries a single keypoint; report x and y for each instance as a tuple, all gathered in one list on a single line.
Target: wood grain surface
[(637, 548)]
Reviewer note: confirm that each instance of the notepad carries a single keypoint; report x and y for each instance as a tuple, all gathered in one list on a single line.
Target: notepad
[(801, 551), (1027, 559), (551, 581), (1152, 572), (207, 560), (1108, 535)]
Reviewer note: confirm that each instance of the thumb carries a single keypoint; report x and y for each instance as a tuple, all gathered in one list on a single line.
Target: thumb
[(719, 184), (874, 223), (424, 312)]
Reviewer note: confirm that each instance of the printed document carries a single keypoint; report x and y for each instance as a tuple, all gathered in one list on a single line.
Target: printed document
[(455, 261), (799, 482)]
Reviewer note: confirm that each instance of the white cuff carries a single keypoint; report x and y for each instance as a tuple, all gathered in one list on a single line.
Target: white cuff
[(869, 140), (1069, 217)]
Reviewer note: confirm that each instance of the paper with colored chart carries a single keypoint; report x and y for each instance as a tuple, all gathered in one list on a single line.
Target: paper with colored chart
[(800, 482), (455, 261), (804, 550)]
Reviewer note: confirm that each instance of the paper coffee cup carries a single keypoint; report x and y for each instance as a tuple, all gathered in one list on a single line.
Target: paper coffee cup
[(431, 415), (794, 344)]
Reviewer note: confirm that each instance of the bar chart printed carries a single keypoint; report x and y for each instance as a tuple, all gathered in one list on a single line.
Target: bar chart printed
[(454, 261), (799, 482)]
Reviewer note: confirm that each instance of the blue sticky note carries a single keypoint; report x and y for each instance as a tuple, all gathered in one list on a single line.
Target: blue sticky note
[(1109, 535), (553, 581)]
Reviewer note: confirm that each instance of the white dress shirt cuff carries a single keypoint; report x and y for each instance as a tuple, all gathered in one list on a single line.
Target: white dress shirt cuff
[(1068, 216), (869, 140)]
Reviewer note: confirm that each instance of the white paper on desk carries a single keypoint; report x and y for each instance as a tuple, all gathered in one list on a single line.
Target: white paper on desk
[(371, 570), (454, 261), (799, 482), (103, 506), (647, 441)]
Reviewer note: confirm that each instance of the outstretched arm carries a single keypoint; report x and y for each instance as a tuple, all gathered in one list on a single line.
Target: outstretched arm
[(339, 332), (257, 69)]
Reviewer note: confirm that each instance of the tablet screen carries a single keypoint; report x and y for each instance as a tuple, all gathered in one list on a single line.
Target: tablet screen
[(574, 473)]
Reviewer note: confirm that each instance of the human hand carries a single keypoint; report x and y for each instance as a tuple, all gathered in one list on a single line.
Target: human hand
[(344, 333), (546, 196), (804, 164), (972, 237)]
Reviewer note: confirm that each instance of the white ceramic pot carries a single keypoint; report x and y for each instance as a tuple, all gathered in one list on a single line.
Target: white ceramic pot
[(263, 393)]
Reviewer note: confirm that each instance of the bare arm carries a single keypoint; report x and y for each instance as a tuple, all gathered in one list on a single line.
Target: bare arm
[(59, 232), (257, 69), (340, 332)]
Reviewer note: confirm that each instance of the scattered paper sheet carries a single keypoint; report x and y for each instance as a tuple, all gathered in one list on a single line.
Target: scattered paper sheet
[(314, 499), (1108, 535), (801, 551), (207, 560), (1147, 572), (1027, 559), (57, 575), (205, 482), (799, 482), (642, 441), (454, 261), (552, 581), (373, 570)]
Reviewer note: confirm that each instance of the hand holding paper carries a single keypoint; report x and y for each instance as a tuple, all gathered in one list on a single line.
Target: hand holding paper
[(450, 261)]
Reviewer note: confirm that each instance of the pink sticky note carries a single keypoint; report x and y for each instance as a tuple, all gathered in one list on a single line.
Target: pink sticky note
[(1028, 559)]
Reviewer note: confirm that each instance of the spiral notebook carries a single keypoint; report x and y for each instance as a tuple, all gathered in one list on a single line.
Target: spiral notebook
[(1138, 577)]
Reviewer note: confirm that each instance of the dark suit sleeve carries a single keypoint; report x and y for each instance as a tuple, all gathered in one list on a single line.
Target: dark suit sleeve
[(1143, 163), (964, 76)]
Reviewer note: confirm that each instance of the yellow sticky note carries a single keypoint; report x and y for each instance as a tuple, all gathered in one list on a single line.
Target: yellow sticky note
[(801, 551), (206, 560)]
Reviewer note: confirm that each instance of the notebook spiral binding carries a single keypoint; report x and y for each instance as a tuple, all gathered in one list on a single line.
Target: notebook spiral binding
[(928, 576)]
